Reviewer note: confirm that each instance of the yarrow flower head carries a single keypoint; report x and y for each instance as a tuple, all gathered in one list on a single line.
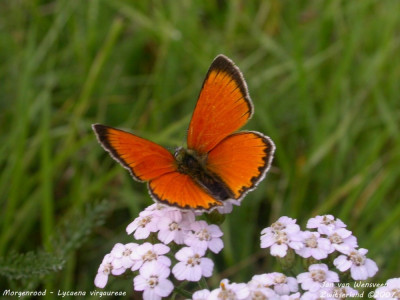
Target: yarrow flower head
[(205, 237), (391, 290), (201, 295), (228, 206), (152, 280), (143, 225), (278, 282), (342, 240), (122, 256), (104, 270), (314, 245), (318, 275), (260, 287), (192, 265), (360, 266), (282, 235), (149, 254), (191, 240), (228, 290), (174, 225), (325, 224)]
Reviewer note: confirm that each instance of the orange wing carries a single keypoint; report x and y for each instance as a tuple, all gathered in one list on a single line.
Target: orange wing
[(241, 160), (150, 162), (180, 190), (144, 159), (223, 106)]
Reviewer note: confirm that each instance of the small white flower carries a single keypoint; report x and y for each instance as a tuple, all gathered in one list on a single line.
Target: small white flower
[(314, 246), (360, 266), (228, 206), (174, 226), (262, 293), (391, 290), (260, 287), (104, 270), (325, 224), (201, 295), (282, 235), (122, 256), (192, 265), (286, 224), (342, 240), (228, 290), (148, 254), (144, 224), (317, 277), (295, 296), (283, 285), (158, 207), (153, 282), (205, 237), (280, 283)]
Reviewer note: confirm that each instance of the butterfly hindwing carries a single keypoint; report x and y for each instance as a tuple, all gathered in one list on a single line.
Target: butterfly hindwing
[(180, 190), (223, 106), (241, 160)]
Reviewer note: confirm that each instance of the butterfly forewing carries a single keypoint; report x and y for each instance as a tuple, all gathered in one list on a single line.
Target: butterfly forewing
[(223, 106), (144, 159)]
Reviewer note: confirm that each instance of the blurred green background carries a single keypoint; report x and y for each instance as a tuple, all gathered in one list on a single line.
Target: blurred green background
[(324, 79)]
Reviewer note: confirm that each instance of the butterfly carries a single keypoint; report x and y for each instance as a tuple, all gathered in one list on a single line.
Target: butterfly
[(219, 163)]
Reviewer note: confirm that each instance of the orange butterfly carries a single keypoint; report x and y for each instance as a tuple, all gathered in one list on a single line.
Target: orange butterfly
[(218, 164)]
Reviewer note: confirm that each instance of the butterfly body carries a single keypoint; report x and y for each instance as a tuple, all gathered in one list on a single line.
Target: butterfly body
[(219, 163), (195, 165)]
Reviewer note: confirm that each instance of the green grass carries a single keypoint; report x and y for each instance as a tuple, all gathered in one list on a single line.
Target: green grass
[(324, 79)]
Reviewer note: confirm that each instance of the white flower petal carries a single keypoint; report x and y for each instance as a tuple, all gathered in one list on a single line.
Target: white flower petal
[(371, 266), (139, 283), (279, 250), (193, 273), (101, 280), (180, 271), (131, 227), (164, 287), (216, 245), (207, 266), (150, 294), (201, 295), (214, 230), (359, 272), (161, 249), (141, 233), (342, 263), (166, 236), (118, 272), (184, 254)]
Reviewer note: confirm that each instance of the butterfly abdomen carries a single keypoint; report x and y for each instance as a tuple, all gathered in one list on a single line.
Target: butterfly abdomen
[(194, 165)]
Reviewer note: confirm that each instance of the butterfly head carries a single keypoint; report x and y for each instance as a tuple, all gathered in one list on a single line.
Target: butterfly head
[(189, 161)]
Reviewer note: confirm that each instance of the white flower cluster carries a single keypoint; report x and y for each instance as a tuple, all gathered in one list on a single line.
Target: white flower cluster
[(151, 261), (329, 239), (327, 243), (265, 286), (330, 236)]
